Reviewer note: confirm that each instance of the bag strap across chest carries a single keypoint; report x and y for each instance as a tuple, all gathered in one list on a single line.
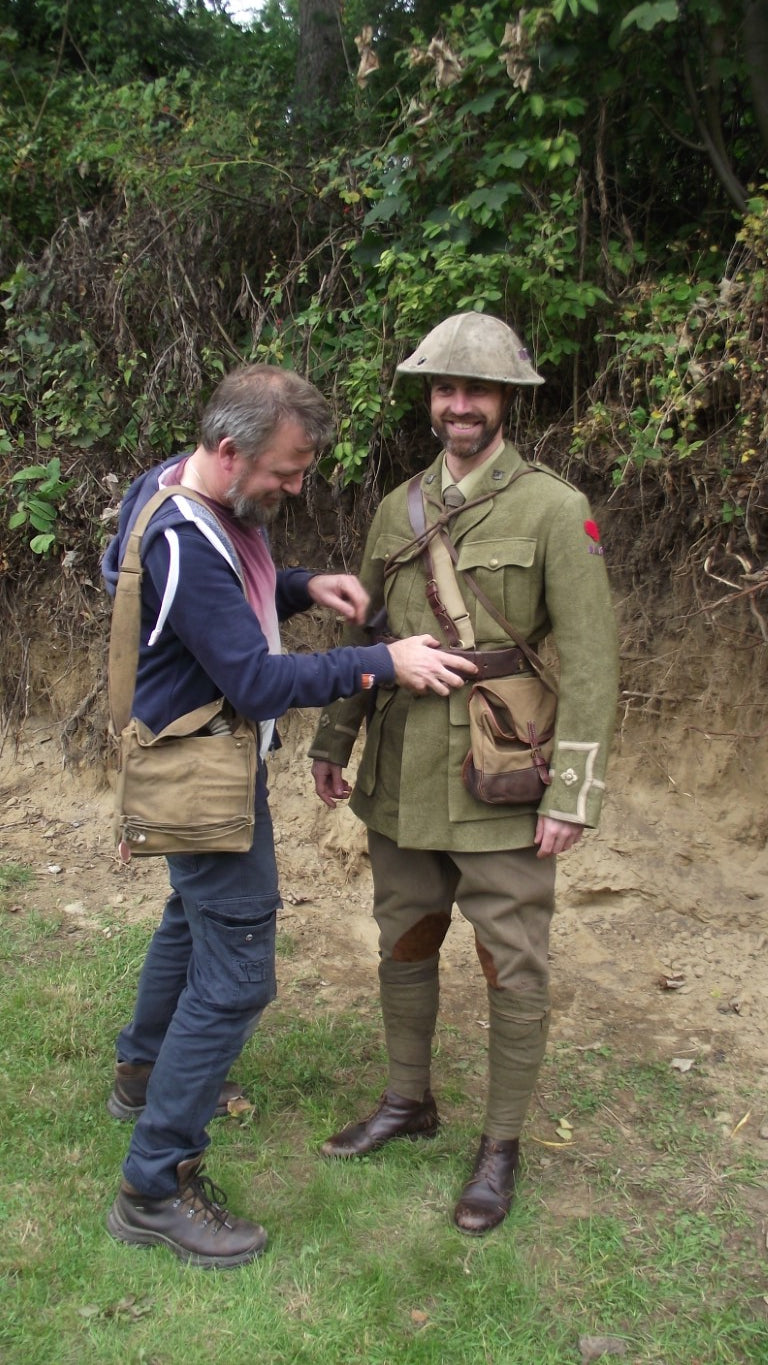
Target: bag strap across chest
[(442, 582), (126, 612)]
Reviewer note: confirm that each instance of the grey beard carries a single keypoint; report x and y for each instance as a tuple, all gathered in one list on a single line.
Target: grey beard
[(249, 511)]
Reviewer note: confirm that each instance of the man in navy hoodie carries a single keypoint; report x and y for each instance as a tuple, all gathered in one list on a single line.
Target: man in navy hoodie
[(212, 601)]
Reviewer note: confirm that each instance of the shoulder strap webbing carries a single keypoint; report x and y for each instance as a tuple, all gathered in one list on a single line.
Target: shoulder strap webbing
[(126, 612), (439, 576), (442, 591)]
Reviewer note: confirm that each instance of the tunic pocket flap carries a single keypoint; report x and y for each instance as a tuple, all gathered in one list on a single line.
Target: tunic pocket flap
[(388, 545), (496, 554)]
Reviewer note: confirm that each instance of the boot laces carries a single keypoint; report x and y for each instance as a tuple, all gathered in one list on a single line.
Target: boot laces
[(488, 1169), (203, 1196)]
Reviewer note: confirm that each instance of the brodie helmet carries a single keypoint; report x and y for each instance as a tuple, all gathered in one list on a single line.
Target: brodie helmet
[(472, 346)]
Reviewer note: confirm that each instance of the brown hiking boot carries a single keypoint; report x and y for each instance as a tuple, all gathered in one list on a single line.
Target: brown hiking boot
[(192, 1223), (129, 1092), (393, 1117)]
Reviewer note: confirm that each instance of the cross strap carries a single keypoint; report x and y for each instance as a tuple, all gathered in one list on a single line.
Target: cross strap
[(424, 535), (126, 612), (450, 608)]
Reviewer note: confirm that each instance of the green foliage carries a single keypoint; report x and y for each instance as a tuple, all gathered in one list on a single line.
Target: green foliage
[(162, 220), (682, 352), (41, 490), (473, 202), (647, 16)]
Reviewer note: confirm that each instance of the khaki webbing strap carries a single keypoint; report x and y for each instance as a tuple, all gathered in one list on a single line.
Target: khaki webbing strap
[(443, 592), (536, 663), (416, 547), (126, 612), (448, 565)]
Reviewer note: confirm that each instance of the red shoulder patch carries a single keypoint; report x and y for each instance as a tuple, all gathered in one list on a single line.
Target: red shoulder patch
[(592, 531)]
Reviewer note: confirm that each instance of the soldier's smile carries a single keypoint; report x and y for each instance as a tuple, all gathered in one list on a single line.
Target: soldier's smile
[(467, 414)]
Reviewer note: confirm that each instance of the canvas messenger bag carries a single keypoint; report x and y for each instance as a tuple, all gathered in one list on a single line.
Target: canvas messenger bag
[(191, 788), (513, 704)]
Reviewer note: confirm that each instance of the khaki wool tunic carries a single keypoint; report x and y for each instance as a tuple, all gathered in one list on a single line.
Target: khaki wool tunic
[(534, 550)]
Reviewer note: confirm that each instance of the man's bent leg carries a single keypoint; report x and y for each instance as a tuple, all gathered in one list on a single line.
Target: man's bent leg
[(162, 978), (230, 901)]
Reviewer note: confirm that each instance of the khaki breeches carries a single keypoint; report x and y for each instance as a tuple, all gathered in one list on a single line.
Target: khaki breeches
[(508, 898)]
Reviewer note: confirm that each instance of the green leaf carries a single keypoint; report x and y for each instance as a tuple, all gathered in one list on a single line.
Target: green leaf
[(386, 209), (511, 158), (647, 16), (33, 471), (42, 544), (491, 196), (483, 103)]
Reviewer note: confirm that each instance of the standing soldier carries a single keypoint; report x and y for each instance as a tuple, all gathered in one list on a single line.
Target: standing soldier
[(524, 539)]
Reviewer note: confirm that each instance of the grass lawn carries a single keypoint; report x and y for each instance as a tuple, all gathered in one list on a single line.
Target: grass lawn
[(636, 1235)]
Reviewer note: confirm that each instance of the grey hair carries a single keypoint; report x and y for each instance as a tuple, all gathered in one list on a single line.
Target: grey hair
[(250, 403)]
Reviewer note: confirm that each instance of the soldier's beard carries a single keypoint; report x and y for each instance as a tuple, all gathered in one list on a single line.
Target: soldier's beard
[(465, 447)]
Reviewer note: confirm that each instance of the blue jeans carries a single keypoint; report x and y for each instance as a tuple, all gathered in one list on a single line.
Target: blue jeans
[(208, 975)]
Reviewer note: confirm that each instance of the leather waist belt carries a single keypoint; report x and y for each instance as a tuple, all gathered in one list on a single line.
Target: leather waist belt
[(494, 663)]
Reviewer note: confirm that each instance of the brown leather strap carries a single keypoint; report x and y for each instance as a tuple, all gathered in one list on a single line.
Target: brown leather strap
[(419, 525), (415, 547), (535, 662), (494, 663), (439, 528)]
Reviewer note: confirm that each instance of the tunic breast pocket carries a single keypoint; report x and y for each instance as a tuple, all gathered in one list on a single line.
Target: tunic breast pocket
[(504, 569)]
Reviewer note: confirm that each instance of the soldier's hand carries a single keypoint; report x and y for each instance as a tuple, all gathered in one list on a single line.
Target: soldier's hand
[(342, 592), (329, 783), (555, 836), (422, 666)]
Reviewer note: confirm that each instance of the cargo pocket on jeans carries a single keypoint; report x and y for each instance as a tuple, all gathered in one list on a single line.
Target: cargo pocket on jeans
[(240, 940)]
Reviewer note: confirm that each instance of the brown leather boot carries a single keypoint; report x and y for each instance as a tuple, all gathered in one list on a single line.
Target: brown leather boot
[(192, 1223), (129, 1092), (487, 1195), (394, 1117)]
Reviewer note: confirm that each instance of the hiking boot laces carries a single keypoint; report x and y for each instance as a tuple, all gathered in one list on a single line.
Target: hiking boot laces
[(203, 1196)]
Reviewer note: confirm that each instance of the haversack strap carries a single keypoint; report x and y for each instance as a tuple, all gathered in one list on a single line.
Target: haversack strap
[(443, 579), (126, 612)]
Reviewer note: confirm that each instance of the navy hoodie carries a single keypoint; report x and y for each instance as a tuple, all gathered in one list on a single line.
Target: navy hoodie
[(201, 640)]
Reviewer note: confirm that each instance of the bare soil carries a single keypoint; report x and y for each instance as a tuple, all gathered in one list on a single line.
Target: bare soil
[(658, 946)]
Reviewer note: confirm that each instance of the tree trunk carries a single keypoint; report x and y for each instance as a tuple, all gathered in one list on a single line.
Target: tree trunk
[(320, 65), (756, 59)]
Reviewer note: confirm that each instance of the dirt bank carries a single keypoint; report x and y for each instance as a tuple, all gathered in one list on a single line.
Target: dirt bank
[(658, 947)]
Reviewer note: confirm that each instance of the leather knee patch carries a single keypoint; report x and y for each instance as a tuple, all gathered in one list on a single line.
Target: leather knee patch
[(487, 963), (422, 940)]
